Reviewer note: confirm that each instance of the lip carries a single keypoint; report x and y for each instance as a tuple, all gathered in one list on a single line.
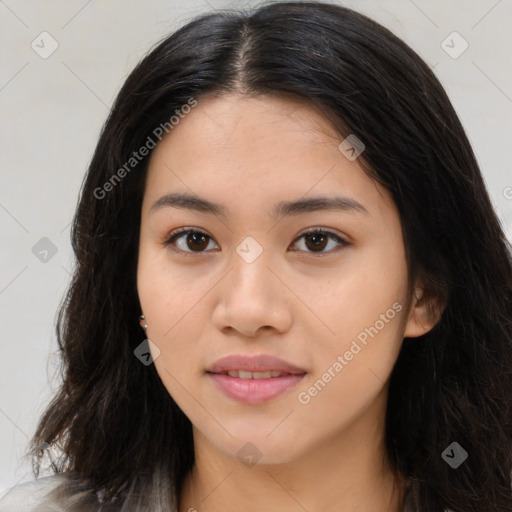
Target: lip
[(254, 391), (259, 363)]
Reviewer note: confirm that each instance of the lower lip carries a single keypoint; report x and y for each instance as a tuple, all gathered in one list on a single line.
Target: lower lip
[(254, 391)]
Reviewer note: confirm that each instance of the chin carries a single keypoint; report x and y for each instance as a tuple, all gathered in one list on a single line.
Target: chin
[(256, 447)]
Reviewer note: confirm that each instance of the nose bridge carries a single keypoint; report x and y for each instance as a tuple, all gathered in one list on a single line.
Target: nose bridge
[(251, 274), (251, 295)]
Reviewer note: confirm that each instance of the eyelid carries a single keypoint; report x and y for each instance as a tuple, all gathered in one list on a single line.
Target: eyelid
[(175, 234)]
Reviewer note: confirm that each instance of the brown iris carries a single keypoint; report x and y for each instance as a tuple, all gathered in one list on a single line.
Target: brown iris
[(318, 241), (200, 240)]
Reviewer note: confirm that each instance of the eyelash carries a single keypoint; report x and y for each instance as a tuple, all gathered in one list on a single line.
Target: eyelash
[(177, 233)]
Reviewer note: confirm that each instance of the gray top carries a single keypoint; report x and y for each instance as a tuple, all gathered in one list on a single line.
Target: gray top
[(34, 496), (29, 496)]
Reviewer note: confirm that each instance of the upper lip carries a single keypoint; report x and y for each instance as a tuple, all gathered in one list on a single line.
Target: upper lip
[(258, 363)]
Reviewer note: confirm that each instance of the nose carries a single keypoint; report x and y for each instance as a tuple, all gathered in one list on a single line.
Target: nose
[(253, 298)]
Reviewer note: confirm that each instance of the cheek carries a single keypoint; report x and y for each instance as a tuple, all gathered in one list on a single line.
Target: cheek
[(173, 311), (173, 326), (365, 311), (364, 288), (164, 290), (351, 372)]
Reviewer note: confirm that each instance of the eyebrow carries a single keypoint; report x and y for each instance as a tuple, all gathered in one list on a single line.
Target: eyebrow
[(283, 208)]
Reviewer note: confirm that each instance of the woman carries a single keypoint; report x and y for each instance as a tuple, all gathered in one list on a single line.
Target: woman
[(292, 291)]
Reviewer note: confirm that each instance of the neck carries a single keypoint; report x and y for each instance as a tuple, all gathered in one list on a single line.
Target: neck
[(348, 472)]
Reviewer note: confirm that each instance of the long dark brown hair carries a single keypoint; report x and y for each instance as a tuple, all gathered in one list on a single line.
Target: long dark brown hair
[(117, 426)]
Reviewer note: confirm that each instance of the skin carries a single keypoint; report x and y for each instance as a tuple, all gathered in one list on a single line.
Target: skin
[(301, 304)]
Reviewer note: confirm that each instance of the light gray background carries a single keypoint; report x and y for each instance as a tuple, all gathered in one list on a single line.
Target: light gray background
[(52, 110)]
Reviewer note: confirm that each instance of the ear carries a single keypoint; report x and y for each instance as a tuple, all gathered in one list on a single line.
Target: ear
[(424, 314)]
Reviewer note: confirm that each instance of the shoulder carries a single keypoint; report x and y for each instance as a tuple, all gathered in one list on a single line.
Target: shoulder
[(29, 496)]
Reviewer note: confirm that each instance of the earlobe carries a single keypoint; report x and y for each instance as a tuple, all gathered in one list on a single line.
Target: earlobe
[(422, 317), (142, 322)]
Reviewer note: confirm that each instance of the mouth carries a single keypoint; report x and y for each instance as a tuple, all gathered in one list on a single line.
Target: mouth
[(254, 379), (242, 374)]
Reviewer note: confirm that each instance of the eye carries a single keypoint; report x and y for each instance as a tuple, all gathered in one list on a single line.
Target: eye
[(317, 239), (195, 239), (189, 240)]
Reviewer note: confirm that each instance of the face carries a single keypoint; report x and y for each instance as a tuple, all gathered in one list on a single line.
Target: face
[(275, 296)]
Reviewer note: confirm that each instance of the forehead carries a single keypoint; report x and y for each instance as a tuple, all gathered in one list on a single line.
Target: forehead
[(264, 126), (258, 150)]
